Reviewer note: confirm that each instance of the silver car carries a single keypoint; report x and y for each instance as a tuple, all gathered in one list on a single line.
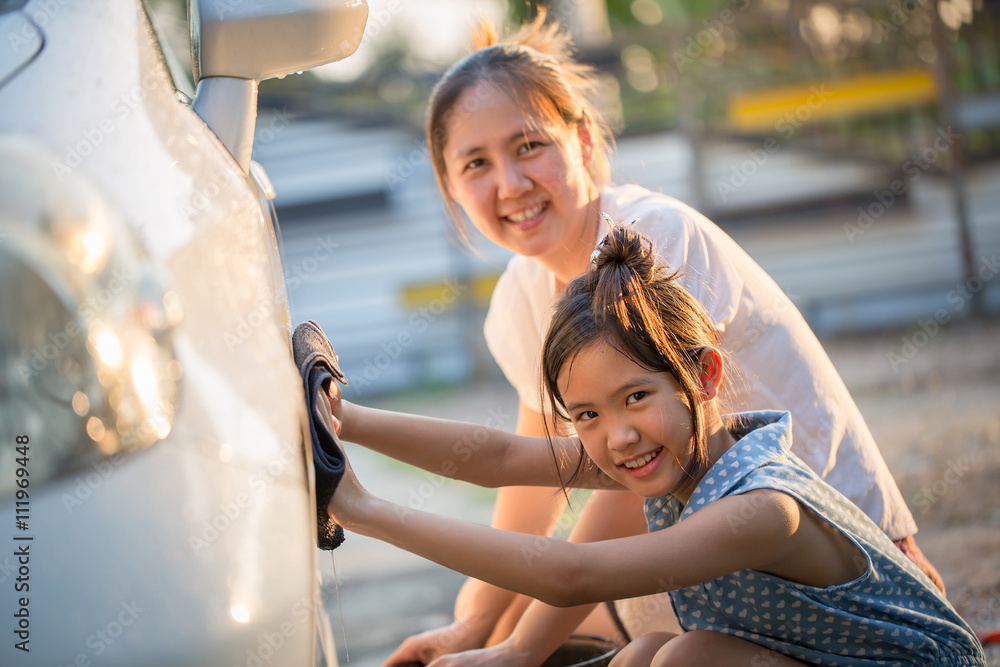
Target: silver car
[(156, 495)]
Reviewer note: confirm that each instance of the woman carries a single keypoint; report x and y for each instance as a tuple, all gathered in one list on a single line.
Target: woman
[(516, 146)]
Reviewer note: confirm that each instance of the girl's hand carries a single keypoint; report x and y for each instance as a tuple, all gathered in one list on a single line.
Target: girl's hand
[(351, 502), (335, 394)]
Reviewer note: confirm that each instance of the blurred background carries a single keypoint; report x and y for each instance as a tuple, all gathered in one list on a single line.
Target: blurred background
[(855, 139), (852, 147)]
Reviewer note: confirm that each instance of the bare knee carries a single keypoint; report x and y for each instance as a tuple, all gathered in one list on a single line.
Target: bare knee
[(640, 651), (704, 647), (689, 648)]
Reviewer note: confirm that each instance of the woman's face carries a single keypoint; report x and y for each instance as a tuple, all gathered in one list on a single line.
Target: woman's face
[(521, 180)]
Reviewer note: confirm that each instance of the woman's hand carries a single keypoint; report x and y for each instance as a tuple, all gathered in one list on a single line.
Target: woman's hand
[(428, 646), (504, 654)]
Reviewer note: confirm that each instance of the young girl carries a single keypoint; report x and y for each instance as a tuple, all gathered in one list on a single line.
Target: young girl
[(765, 563), (520, 151)]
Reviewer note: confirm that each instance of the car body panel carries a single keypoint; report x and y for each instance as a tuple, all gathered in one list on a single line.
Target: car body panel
[(200, 549)]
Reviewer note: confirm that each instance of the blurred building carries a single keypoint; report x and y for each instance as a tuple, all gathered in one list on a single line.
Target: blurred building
[(850, 148)]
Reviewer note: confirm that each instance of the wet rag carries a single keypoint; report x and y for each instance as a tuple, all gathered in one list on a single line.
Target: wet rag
[(318, 365)]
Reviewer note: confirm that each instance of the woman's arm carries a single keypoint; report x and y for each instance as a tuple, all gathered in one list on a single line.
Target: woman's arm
[(470, 452), (542, 628)]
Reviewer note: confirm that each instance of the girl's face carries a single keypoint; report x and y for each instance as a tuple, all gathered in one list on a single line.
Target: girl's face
[(635, 424), (522, 181)]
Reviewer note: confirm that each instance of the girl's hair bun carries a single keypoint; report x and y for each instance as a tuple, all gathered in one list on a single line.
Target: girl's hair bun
[(625, 249)]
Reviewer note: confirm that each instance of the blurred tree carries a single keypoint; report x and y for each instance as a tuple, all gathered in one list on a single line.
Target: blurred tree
[(586, 20)]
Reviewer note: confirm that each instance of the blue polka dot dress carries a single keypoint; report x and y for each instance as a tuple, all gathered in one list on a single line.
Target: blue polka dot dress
[(890, 615)]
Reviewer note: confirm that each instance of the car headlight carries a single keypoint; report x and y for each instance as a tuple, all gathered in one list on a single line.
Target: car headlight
[(87, 368)]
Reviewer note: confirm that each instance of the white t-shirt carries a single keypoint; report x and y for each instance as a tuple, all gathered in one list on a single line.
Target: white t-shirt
[(779, 362)]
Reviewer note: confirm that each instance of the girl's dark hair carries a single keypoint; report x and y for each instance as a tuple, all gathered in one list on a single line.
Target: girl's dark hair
[(535, 66), (636, 306)]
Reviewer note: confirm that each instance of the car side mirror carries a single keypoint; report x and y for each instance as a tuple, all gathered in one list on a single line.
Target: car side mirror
[(237, 43)]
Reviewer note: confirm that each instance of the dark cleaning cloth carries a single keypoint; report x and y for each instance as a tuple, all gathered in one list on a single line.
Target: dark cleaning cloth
[(319, 367)]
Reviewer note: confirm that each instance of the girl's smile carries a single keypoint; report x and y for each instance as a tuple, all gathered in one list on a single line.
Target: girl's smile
[(644, 464)]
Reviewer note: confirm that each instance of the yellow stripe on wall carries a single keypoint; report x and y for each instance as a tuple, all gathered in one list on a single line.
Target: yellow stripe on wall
[(763, 110), (447, 293)]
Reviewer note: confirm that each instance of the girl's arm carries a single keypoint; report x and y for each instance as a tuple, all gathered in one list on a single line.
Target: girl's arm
[(469, 452), (700, 548), (524, 509), (542, 628), (486, 614)]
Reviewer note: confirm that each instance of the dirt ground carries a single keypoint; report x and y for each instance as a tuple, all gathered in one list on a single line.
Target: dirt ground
[(936, 417)]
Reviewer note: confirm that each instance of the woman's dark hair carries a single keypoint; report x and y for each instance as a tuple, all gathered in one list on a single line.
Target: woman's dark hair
[(535, 66), (631, 303)]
